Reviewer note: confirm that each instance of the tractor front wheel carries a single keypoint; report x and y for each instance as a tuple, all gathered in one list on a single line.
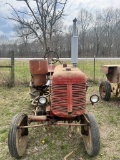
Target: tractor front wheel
[(90, 134), (105, 90), (18, 138)]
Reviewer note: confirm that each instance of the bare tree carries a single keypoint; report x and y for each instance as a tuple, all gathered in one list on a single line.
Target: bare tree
[(84, 20), (108, 31), (98, 33), (41, 19), (116, 34), (108, 25), (23, 33), (24, 37)]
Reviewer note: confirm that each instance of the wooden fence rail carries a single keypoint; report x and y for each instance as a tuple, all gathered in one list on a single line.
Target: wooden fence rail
[(12, 77)]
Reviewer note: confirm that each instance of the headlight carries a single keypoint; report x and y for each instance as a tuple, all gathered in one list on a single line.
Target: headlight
[(94, 98), (42, 100)]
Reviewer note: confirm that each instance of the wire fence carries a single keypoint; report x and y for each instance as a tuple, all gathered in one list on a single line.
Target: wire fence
[(90, 66)]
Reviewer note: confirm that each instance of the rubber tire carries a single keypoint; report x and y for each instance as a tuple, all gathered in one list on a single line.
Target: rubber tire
[(107, 90), (13, 136), (93, 136)]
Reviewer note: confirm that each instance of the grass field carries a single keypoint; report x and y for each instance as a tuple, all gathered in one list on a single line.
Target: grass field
[(22, 73), (59, 141)]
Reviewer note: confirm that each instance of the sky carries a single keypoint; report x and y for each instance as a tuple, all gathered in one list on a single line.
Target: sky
[(71, 10)]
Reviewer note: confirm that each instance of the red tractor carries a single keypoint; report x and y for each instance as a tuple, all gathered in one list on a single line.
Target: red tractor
[(59, 96)]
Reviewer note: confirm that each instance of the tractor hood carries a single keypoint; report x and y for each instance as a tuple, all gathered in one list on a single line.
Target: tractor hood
[(68, 75)]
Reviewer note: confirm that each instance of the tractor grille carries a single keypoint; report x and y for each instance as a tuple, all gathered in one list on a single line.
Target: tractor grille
[(68, 99)]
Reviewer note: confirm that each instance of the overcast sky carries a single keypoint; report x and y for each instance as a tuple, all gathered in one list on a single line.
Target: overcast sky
[(71, 10)]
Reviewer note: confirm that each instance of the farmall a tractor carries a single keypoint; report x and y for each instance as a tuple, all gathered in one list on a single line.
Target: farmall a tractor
[(112, 84), (59, 97)]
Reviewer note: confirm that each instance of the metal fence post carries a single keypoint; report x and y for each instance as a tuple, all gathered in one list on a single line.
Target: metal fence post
[(94, 68), (12, 69)]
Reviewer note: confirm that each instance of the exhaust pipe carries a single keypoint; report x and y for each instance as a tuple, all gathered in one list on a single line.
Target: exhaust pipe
[(74, 45)]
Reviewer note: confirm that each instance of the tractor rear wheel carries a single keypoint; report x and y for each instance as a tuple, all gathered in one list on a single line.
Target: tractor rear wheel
[(18, 138), (91, 135), (105, 90)]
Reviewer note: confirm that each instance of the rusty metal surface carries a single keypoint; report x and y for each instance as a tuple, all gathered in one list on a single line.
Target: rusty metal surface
[(68, 100), (38, 70), (38, 66), (112, 73), (32, 118), (104, 69), (51, 68), (55, 124), (115, 88), (68, 92), (63, 76), (38, 79)]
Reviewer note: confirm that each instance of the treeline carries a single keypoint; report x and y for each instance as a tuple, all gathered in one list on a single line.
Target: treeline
[(99, 35)]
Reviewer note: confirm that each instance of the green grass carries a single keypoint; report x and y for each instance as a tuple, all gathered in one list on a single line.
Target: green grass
[(22, 73)]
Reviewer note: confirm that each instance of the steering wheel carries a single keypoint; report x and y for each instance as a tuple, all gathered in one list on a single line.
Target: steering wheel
[(52, 57)]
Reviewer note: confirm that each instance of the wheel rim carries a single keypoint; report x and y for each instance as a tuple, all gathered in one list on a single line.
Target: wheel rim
[(103, 91), (87, 139), (21, 140)]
